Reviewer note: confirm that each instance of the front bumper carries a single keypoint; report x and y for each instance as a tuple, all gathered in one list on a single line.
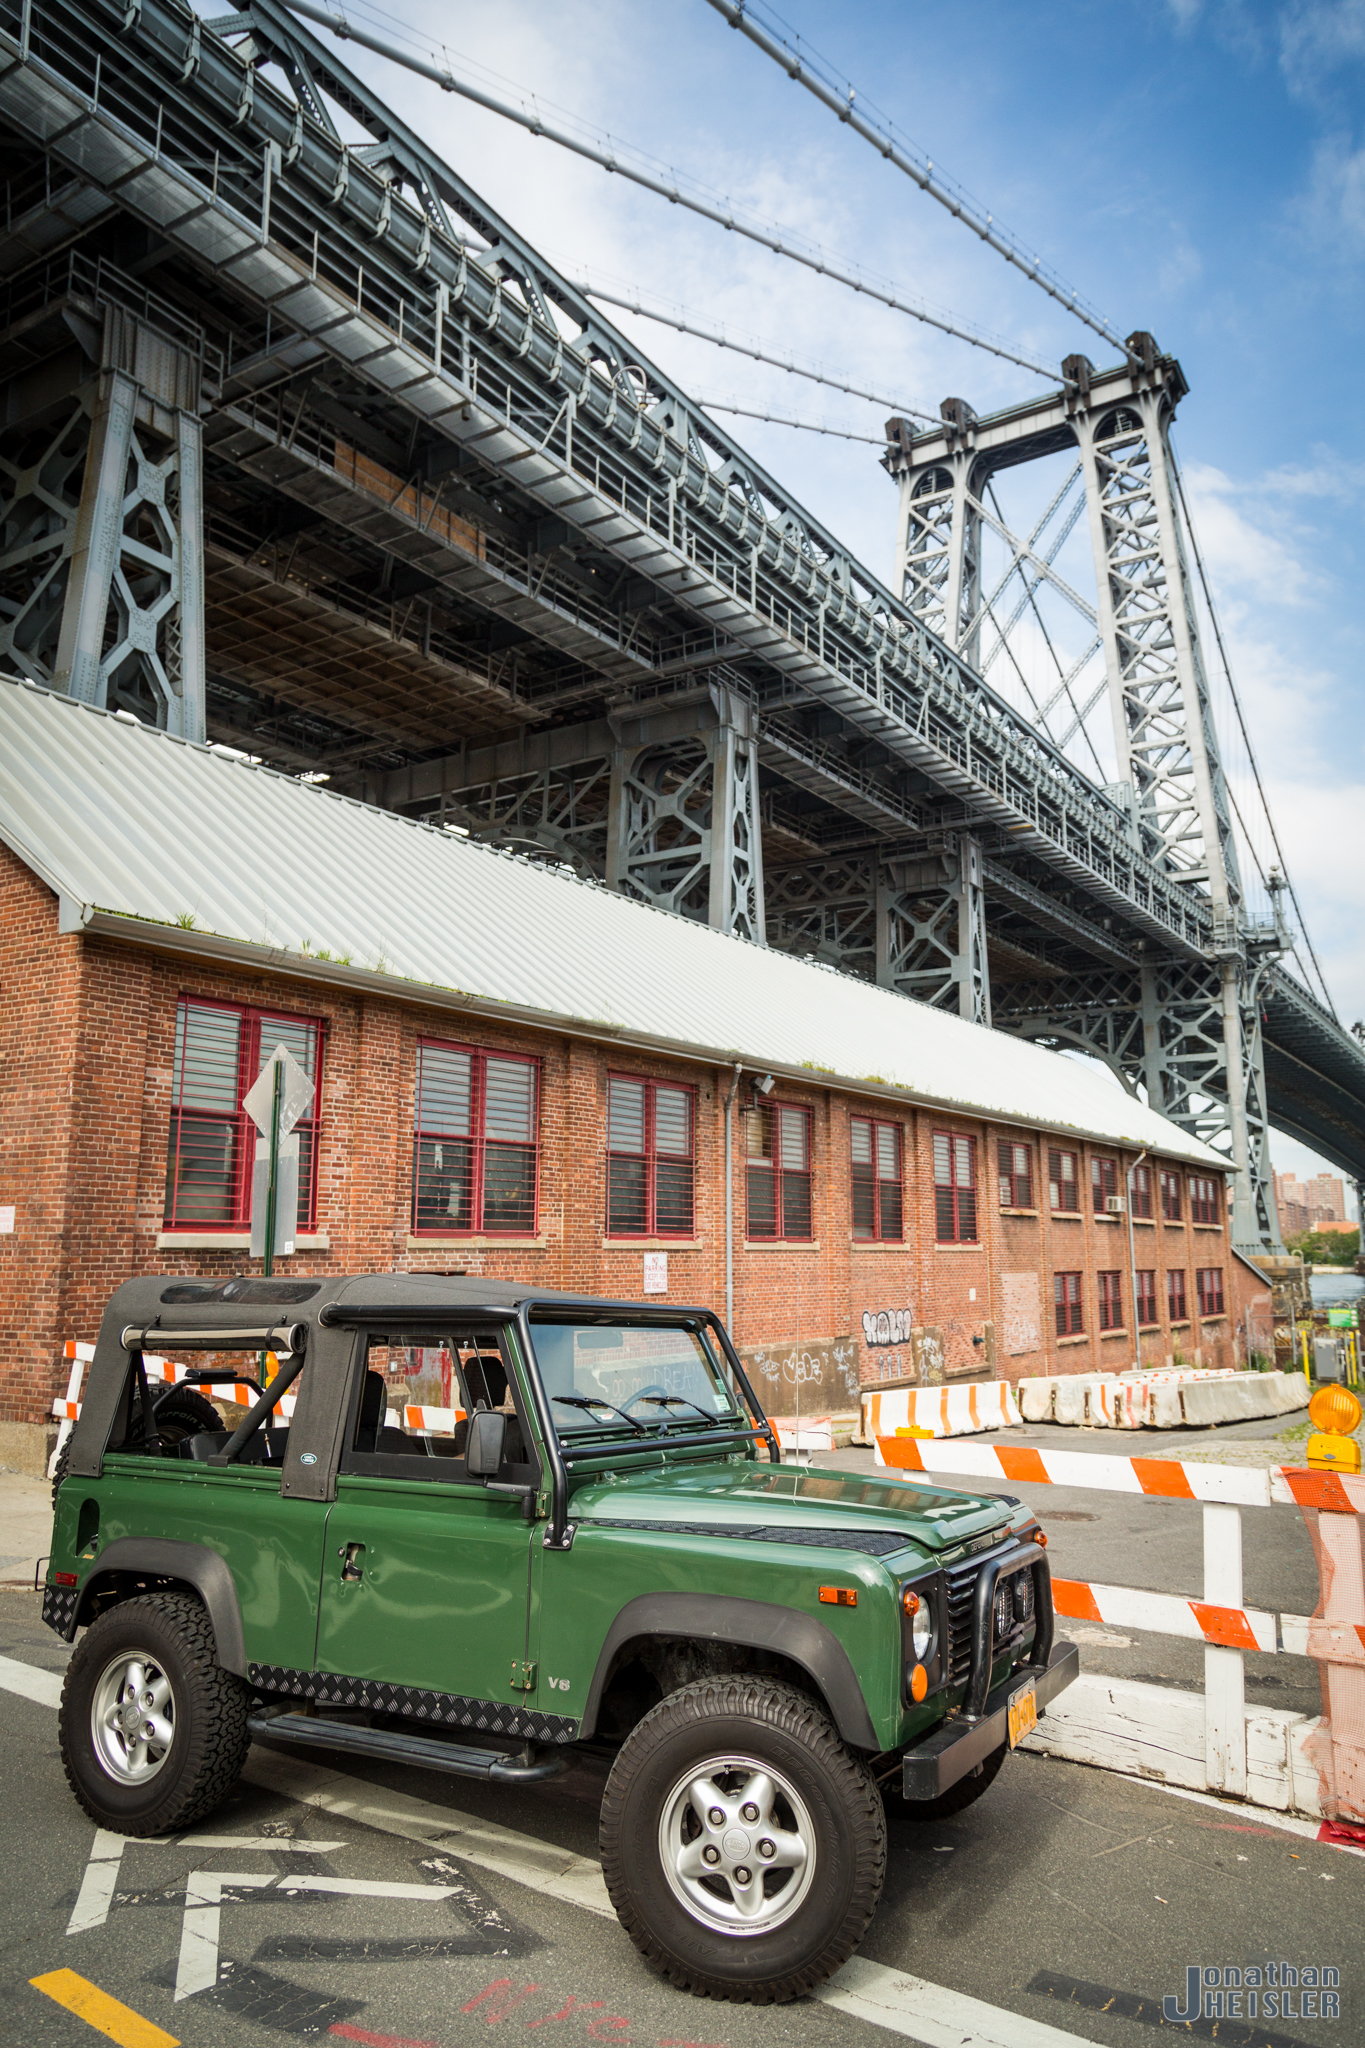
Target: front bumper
[(957, 1746)]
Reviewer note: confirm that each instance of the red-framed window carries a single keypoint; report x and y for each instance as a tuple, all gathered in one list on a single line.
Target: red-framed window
[(219, 1051), (1104, 1184), (1171, 1205), (778, 1175), (875, 1156), (1140, 1182), (1066, 1297), (649, 1158), (1016, 1175), (1110, 1289), (1146, 1296), (1175, 1295), (1209, 1281), (1063, 1184), (954, 1188), (475, 1155), (1203, 1199)]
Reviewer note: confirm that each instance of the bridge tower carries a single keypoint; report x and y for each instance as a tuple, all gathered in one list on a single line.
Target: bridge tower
[(1184, 1025), (101, 500)]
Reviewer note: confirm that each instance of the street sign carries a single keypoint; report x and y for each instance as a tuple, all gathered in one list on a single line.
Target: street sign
[(1341, 1318), (281, 1093)]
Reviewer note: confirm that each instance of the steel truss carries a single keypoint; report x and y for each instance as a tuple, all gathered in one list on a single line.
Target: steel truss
[(101, 506)]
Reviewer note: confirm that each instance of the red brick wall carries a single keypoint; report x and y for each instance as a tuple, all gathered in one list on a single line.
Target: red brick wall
[(86, 1050)]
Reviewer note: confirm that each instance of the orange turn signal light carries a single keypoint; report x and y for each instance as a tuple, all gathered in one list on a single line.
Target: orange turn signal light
[(1039, 1536), (839, 1596), (919, 1683), (910, 1600)]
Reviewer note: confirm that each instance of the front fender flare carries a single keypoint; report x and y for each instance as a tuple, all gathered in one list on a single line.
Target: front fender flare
[(754, 1624), (195, 1565)]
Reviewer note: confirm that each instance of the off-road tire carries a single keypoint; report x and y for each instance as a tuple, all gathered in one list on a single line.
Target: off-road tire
[(210, 1740), (963, 1794), (781, 1728), (179, 1413)]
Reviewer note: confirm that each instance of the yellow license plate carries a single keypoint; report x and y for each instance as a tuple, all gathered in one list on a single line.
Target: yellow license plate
[(1023, 1713)]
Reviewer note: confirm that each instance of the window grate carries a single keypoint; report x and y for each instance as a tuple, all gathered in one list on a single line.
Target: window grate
[(220, 1049)]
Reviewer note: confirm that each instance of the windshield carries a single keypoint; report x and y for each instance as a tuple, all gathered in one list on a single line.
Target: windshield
[(625, 1380)]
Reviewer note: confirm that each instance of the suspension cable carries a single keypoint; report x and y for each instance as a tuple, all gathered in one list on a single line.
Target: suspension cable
[(611, 160), (778, 419), (840, 100), (1246, 736), (743, 348)]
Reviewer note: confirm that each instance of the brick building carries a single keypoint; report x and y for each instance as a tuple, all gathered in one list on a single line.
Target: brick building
[(522, 1075)]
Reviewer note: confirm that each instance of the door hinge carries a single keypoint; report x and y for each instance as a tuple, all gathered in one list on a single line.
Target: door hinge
[(523, 1678)]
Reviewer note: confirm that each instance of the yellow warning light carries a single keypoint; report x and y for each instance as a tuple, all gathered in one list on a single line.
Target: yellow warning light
[(1335, 1409)]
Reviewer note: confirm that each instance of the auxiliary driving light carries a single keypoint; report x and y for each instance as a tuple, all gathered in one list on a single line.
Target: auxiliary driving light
[(1003, 1605)]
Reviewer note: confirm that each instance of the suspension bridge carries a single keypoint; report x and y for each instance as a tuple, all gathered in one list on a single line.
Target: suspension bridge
[(306, 451)]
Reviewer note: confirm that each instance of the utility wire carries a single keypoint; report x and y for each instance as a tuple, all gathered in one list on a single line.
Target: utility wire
[(840, 100), (1251, 751), (744, 348), (611, 160)]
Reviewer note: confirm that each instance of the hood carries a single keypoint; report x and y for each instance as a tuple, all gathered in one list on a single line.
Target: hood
[(774, 1497)]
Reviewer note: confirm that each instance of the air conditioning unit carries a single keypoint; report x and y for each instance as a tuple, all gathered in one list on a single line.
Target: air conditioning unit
[(1114, 1205)]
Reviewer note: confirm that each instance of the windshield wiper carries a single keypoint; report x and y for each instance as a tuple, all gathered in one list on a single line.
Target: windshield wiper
[(677, 1401), (587, 1401)]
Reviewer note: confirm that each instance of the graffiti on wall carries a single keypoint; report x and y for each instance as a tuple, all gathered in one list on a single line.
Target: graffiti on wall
[(819, 1373), (1022, 1313), (898, 1348)]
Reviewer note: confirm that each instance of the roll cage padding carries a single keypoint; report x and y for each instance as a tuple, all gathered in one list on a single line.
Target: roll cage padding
[(748, 1624), (193, 1564)]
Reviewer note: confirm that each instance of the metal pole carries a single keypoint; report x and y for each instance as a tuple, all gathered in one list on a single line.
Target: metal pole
[(730, 1209), (268, 1257), (1132, 1259)]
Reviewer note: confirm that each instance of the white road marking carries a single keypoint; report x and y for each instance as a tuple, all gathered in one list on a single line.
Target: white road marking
[(101, 1877), (366, 1888), (558, 1873), (929, 2014), (197, 1969), (43, 1687)]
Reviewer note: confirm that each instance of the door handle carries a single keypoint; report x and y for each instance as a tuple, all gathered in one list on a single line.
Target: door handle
[(352, 1570)]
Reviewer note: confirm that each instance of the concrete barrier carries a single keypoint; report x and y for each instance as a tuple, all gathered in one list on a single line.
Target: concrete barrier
[(939, 1411), (1165, 1400)]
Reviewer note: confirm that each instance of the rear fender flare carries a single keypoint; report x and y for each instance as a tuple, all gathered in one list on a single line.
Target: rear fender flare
[(748, 1624), (193, 1564)]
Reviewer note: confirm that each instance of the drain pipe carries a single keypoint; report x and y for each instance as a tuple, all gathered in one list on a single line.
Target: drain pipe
[(1132, 1259), (730, 1207)]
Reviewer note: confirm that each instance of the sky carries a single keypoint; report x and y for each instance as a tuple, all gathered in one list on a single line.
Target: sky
[(1193, 167)]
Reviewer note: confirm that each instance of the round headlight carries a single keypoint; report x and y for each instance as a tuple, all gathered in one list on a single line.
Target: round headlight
[(921, 1622)]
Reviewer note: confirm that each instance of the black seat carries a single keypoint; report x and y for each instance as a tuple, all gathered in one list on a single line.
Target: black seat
[(486, 1379)]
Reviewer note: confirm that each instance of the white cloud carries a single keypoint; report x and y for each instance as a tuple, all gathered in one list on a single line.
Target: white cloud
[(1248, 556)]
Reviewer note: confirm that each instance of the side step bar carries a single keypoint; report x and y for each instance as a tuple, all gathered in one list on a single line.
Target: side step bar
[(523, 1767)]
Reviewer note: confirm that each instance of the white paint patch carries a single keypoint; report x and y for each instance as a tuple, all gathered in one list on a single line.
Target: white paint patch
[(929, 2014), (366, 1888), (101, 1878), (44, 1688), (269, 1845), (197, 1968)]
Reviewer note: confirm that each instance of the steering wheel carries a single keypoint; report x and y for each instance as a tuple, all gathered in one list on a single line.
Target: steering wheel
[(643, 1395)]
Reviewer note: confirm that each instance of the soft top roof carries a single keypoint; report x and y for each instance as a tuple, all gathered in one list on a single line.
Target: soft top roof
[(173, 1302)]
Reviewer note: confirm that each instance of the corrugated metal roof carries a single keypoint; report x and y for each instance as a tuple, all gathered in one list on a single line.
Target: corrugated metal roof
[(129, 823)]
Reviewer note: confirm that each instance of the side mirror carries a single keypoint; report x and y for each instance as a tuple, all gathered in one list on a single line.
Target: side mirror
[(485, 1443)]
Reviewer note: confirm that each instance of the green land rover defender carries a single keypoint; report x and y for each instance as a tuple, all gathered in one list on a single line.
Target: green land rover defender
[(466, 1525)]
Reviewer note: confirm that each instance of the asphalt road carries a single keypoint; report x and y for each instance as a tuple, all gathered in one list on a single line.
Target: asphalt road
[(1067, 1903)]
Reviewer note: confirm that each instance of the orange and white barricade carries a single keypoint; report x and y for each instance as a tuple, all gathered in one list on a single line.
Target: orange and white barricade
[(938, 1411)]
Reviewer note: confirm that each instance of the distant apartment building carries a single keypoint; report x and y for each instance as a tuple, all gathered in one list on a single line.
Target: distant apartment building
[(1316, 1204)]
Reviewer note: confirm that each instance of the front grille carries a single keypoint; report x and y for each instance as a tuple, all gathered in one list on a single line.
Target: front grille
[(961, 1587)]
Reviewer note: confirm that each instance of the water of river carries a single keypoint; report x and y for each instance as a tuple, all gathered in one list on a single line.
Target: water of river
[(1336, 1287)]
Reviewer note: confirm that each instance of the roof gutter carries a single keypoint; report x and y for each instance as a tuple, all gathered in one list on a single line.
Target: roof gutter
[(84, 918)]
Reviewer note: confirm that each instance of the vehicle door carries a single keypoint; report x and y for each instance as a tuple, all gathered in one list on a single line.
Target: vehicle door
[(425, 1570)]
